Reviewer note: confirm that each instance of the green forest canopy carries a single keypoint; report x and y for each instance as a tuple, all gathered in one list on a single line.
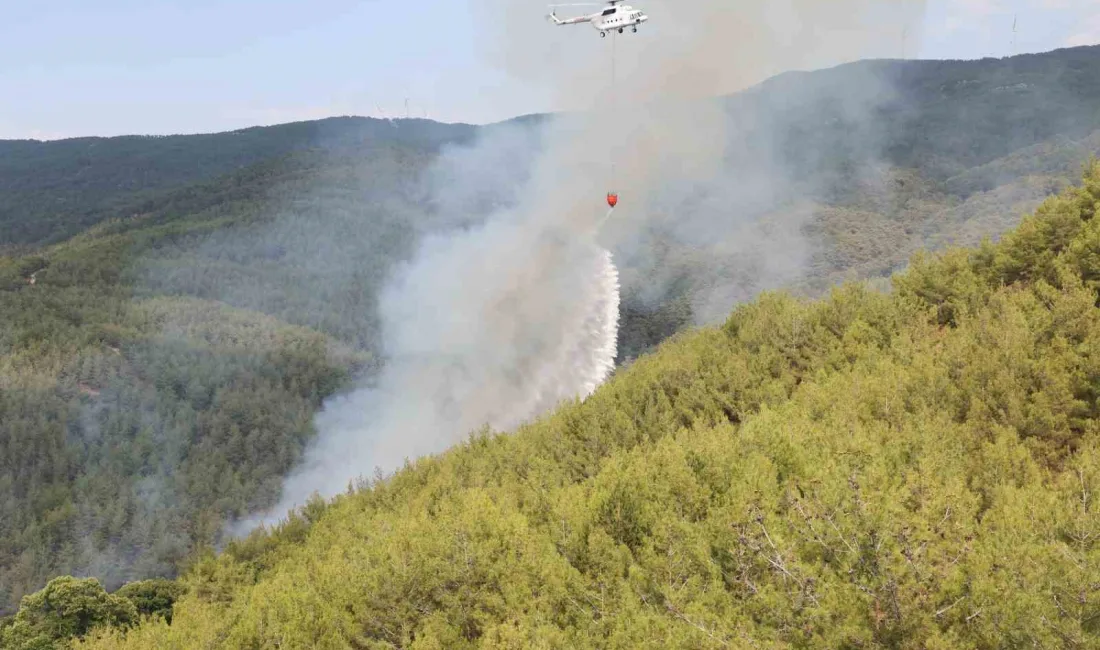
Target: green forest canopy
[(918, 468)]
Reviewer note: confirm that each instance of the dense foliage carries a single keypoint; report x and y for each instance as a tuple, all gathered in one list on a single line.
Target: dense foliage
[(64, 609), (68, 608), (913, 469), (152, 597)]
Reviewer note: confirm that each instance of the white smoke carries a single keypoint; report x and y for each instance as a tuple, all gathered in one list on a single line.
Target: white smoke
[(489, 326)]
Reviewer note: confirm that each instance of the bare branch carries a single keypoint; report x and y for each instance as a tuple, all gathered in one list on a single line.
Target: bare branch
[(841, 535), (946, 516), (940, 612), (778, 563), (683, 617)]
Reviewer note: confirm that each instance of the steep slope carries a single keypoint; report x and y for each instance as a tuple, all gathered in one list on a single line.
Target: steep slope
[(913, 469)]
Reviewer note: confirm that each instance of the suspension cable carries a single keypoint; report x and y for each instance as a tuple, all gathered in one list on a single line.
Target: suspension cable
[(614, 107)]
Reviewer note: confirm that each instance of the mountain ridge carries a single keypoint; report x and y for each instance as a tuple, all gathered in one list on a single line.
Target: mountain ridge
[(1059, 69)]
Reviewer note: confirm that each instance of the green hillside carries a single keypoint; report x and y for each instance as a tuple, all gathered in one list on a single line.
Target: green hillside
[(915, 468), (173, 310)]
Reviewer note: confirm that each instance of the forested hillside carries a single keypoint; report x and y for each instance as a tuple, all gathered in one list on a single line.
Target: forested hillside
[(914, 468), (173, 310), (154, 385), (53, 190)]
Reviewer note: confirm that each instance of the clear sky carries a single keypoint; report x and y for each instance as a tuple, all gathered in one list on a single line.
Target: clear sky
[(108, 67)]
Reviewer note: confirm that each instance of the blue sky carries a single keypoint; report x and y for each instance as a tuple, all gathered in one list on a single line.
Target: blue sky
[(108, 67)]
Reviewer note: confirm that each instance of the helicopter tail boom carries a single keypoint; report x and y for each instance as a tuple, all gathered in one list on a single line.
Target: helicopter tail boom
[(569, 21), (572, 21)]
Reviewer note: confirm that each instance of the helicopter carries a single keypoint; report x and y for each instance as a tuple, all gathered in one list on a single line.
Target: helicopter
[(615, 16)]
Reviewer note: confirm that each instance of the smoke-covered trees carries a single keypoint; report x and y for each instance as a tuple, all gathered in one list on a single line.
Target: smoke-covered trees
[(917, 468), (133, 428)]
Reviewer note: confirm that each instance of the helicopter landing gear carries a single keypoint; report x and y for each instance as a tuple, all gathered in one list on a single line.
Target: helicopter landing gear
[(620, 30), (603, 34), (634, 29)]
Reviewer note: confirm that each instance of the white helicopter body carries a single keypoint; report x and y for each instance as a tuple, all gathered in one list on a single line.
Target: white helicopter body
[(615, 17)]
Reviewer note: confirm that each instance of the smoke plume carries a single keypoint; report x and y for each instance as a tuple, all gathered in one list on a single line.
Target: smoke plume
[(495, 319), (511, 304), (470, 346)]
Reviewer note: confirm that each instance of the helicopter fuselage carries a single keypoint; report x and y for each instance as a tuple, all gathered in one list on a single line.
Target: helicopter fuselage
[(616, 17), (619, 17)]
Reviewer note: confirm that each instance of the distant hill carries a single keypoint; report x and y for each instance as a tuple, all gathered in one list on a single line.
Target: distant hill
[(173, 310), (942, 117), (52, 190)]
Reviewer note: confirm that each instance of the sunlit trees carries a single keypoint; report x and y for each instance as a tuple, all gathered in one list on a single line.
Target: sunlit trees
[(65, 609)]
